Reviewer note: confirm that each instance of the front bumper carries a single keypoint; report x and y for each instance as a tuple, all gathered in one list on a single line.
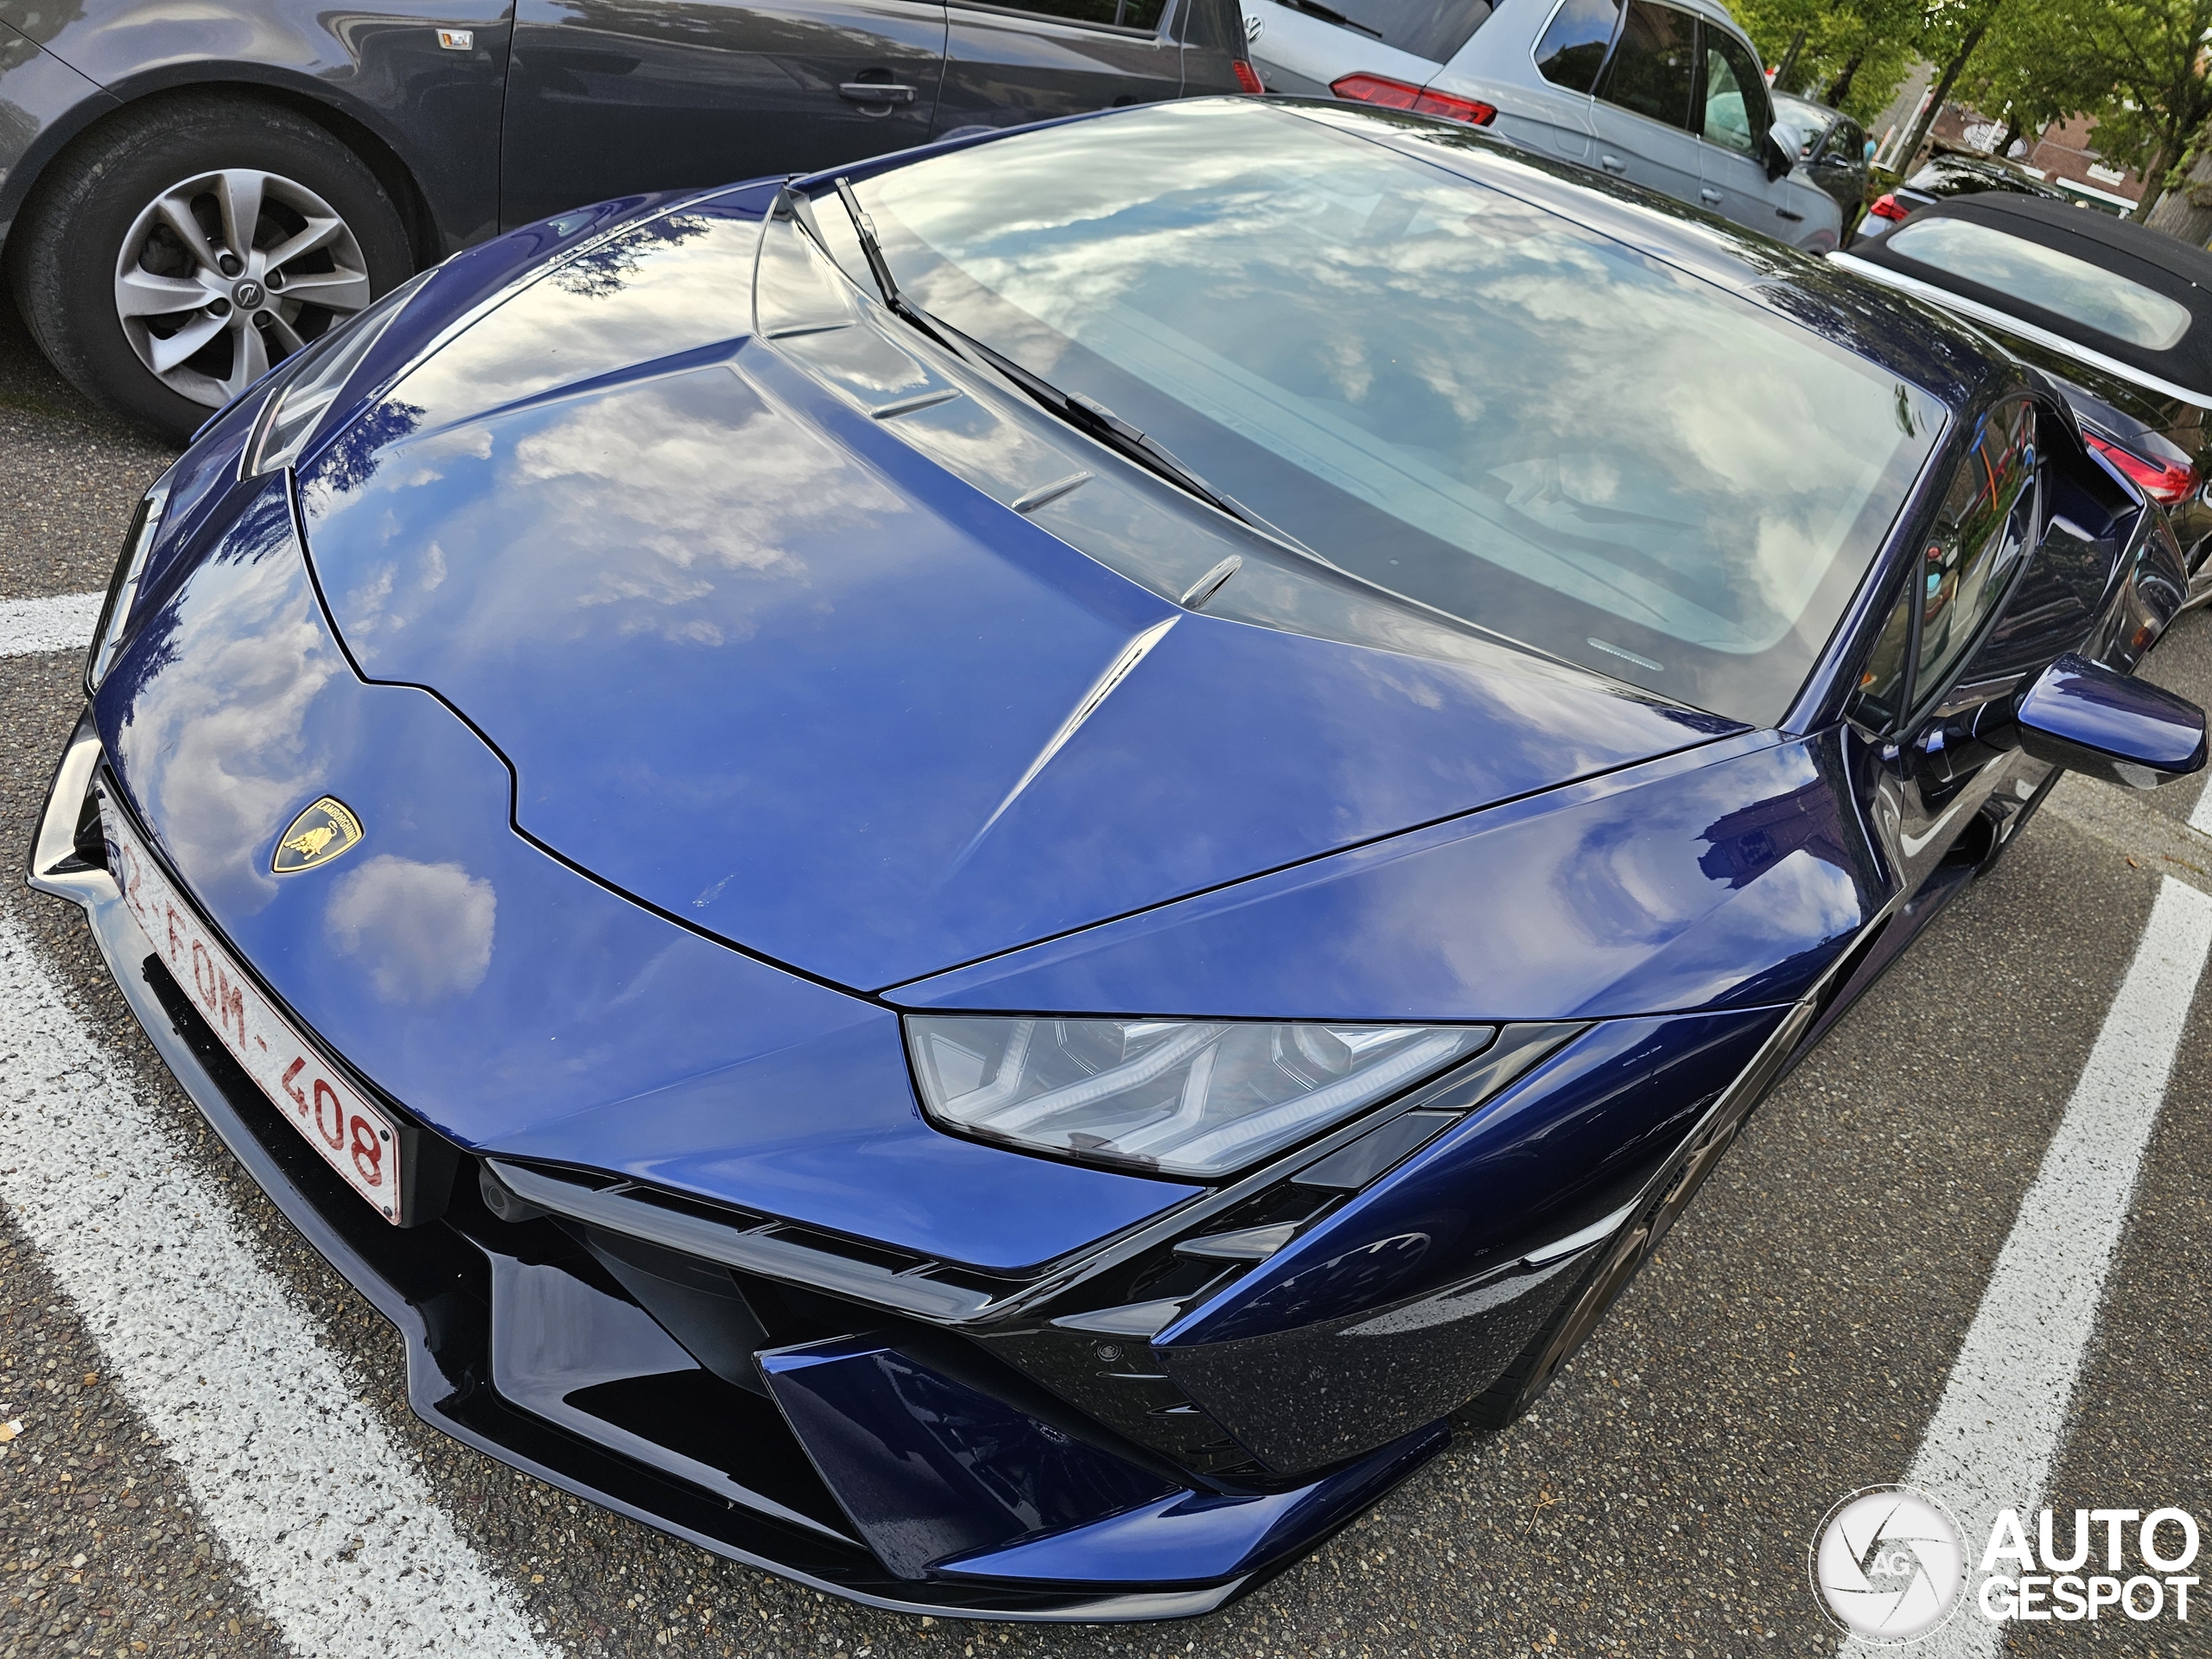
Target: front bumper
[(529, 1338)]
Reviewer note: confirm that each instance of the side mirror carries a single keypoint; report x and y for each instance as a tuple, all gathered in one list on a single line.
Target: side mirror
[(1783, 144), (2110, 725)]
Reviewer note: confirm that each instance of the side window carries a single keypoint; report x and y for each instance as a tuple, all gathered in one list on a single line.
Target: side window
[(1654, 65), (1737, 114), (1573, 48), (1978, 537), (1880, 697)]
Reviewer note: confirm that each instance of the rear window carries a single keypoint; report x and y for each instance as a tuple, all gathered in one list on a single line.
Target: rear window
[(2037, 275), (1573, 47), (1434, 29)]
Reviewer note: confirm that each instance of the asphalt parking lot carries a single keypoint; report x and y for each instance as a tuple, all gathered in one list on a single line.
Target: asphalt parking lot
[(1792, 1341)]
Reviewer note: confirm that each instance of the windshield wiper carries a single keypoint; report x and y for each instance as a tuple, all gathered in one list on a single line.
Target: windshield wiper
[(1086, 415), (1329, 14)]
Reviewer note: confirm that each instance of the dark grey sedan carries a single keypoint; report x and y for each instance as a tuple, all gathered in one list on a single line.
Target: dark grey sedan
[(188, 194), (1834, 153)]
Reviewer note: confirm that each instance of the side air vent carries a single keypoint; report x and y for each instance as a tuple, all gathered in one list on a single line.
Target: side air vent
[(774, 1249)]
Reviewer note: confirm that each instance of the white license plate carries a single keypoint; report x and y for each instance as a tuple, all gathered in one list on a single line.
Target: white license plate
[(354, 1138)]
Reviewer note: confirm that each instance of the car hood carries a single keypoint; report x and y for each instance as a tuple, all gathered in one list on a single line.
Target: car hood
[(768, 648)]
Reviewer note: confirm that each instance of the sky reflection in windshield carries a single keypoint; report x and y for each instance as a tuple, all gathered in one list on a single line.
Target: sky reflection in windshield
[(1457, 394)]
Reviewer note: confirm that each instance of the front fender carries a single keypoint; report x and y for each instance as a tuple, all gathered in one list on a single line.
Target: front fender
[(1730, 875)]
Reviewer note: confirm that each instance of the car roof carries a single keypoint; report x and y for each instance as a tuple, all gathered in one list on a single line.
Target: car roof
[(1798, 100), (2158, 262), (1995, 174), (1711, 10)]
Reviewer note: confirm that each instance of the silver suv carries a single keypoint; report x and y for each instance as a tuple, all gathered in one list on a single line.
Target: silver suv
[(1666, 93)]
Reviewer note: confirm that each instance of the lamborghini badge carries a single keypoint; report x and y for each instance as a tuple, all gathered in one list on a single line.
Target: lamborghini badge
[(316, 836)]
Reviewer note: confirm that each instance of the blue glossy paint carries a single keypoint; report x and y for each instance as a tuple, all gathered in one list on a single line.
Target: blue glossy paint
[(799, 679), (929, 1467), (512, 1003), (1730, 875), (2079, 716), (795, 700), (1569, 1143), (1204, 1536), (1413, 1297), (481, 278)]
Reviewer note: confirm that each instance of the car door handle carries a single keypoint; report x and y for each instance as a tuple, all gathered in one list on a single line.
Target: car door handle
[(1709, 196), (1783, 212), (1613, 164), (875, 92)]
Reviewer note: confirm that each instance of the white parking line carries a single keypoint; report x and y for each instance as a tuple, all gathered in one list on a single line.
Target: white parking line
[(2003, 1414), (334, 1531), (62, 623), (2200, 819)]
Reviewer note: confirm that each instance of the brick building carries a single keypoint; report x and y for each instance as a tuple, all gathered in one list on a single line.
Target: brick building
[(2065, 153)]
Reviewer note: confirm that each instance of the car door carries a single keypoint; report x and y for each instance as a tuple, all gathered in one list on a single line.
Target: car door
[(1839, 168), (1734, 117), (609, 97), (1554, 113), (1640, 119), (1964, 571), (1004, 66)]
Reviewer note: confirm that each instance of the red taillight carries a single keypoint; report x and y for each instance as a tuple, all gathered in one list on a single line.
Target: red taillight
[(1404, 95), (1248, 77), (2167, 483), (1887, 208)]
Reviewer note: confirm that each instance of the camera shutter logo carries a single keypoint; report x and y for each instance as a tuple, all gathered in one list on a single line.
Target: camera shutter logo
[(1887, 1564)]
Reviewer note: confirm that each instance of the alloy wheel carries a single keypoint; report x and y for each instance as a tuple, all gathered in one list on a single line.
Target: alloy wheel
[(228, 272)]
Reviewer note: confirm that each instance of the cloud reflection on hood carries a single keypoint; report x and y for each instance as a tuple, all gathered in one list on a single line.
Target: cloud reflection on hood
[(216, 732), (423, 931)]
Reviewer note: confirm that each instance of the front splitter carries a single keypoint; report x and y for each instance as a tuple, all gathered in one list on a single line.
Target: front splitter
[(432, 1284)]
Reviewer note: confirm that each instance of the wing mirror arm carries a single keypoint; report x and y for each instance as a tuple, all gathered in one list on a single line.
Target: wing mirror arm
[(2114, 727)]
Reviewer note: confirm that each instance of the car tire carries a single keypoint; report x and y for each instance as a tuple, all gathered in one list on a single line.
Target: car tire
[(160, 327)]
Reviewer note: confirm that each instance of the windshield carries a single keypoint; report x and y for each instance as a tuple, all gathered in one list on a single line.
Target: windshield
[(1445, 391), (2073, 289), (1810, 120)]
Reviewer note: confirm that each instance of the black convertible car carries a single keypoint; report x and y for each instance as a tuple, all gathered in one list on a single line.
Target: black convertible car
[(2119, 316), (190, 195)]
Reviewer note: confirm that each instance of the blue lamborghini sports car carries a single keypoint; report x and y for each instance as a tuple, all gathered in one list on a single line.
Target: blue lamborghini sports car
[(984, 879)]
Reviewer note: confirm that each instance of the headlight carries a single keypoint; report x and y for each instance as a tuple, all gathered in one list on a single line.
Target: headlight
[(1181, 1096), (304, 394), (123, 591)]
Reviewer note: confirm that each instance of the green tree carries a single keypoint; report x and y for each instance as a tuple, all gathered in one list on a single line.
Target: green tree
[(1951, 31), (2150, 54), (1854, 54), (2027, 72)]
